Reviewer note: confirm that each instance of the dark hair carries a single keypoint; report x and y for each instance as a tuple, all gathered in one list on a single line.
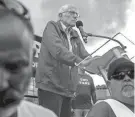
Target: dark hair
[(2, 3), (22, 17)]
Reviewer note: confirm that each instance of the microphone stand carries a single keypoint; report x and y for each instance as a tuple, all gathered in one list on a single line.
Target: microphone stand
[(109, 38), (104, 44), (105, 37)]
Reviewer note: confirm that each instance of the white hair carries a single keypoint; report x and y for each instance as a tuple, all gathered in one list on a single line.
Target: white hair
[(65, 8)]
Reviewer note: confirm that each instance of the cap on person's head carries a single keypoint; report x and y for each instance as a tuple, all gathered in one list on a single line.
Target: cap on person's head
[(67, 8), (119, 64)]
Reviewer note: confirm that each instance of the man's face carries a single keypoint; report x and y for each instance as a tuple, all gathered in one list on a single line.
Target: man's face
[(70, 17), (15, 66), (122, 84)]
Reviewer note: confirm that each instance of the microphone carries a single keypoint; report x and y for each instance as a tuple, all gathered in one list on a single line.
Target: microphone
[(79, 25)]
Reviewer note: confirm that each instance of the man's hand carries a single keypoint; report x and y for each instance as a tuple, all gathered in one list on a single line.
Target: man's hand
[(81, 71), (83, 64), (86, 62)]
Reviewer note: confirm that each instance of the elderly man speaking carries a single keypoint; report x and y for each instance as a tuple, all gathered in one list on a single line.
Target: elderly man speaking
[(61, 50)]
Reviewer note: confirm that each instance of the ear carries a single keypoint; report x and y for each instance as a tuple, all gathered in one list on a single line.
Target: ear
[(60, 15)]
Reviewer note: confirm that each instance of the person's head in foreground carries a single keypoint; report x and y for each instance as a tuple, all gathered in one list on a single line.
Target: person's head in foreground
[(121, 80), (16, 36), (68, 14)]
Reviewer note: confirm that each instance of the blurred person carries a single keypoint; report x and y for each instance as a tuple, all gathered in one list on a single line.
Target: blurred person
[(16, 39), (121, 85), (85, 91), (61, 50)]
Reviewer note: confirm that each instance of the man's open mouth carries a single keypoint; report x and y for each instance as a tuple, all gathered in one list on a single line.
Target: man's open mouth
[(8, 98)]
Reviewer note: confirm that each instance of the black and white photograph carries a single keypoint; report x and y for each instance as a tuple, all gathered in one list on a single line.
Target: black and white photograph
[(67, 58)]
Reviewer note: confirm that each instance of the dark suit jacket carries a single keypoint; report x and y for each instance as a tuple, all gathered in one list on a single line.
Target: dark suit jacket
[(53, 72)]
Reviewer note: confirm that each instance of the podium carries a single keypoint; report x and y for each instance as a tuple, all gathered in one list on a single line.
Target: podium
[(99, 65)]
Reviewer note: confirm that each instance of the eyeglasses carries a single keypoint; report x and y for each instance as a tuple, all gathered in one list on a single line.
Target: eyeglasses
[(121, 75), (72, 13)]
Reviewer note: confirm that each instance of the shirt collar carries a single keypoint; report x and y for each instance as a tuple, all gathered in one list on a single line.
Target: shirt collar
[(67, 30), (63, 26)]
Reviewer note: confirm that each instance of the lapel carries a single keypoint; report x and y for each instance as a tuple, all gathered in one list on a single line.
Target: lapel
[(63, 35), (60, 27), (73, 36)]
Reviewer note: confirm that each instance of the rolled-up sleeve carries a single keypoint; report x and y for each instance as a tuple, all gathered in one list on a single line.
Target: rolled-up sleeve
[(56, 48)]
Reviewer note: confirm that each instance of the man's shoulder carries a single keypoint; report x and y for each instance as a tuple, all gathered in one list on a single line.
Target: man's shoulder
[(51, 22), (100, 109), (29, 108), (103, 104), (54, 23)]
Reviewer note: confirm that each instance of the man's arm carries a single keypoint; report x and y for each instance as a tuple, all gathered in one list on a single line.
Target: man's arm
[(83, 51), (56, 48), (94, 97), (99, 110), (93, 91)]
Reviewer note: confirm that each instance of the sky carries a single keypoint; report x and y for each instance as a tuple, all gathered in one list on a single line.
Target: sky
[(103, 17)]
